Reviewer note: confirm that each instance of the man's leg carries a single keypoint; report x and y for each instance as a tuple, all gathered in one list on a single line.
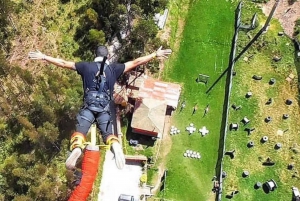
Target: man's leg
[(85, 118), (117, 150), (105, 125)]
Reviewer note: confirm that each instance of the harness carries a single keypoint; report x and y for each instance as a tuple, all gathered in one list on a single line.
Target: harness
[(98, 101), (100, 79)]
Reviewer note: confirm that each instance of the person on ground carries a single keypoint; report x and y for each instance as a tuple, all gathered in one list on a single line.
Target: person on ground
[(98, 79)]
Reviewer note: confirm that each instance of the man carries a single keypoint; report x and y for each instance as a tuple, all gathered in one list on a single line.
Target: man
[(98, 79)]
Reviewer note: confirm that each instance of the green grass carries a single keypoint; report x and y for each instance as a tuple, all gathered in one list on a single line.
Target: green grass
[(204, 48), (255, 109)]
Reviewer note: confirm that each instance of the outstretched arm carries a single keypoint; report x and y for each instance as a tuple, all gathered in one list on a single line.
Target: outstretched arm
[(37, 55), (142, 60)]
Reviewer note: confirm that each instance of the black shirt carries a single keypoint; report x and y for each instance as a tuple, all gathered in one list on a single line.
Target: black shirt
[(88, 71)]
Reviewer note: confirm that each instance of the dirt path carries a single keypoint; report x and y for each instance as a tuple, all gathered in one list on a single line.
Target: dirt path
[(286, 14), (165, 148)]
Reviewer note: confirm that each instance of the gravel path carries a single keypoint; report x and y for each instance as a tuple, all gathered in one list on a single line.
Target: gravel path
[(286, 14)]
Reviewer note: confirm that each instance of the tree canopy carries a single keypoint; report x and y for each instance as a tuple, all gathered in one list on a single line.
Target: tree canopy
[(39, 102)]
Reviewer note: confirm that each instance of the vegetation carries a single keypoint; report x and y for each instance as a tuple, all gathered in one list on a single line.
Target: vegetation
[(204, 49), (189, 179), (39, 102), (297, 30), (261, 63)]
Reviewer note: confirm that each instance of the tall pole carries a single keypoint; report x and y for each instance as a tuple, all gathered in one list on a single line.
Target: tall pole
[(264, 28), (231, 62)]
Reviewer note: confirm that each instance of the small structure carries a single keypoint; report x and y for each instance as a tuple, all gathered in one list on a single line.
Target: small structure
[(224, 174), (216, 186), (268, 119), (174, 130), (231, 154), (280, 33), (290, 77), (133, 142), (290, 166), (250, 144), (245, 173), (160, 20), (203, 131), (195, 108), (285, 116), (206, 110), (280, 132), (191, 128), (249, 130), (236, 107), (272, 81), (268, 162), (289, 102), (234, 126), (276, 58), (232, 194), (271, 184), (257, 77), (202, 78), (296, 193), (182, 106), (248, 94), (264, 139), (278, 145), (257, 185), (192, 154), (245, 121), (270, 100)]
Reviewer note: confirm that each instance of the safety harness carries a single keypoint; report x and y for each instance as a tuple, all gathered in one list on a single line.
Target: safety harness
[(100, 77), (98, 101)]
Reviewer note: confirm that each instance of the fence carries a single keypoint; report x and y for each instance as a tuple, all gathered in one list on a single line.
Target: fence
[(229, 71), (226, 100)]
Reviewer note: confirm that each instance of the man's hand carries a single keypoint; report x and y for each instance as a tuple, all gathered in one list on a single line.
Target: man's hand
[(36, 55), (163, 53), (119, 155)]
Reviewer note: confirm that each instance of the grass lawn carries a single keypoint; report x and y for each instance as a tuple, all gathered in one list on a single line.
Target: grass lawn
[(204, 48), (256, 110)]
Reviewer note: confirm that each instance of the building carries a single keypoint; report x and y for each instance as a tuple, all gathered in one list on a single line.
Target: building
[(155, 100), (149, 117)]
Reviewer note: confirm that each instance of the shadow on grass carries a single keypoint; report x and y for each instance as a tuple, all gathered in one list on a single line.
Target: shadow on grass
[(229, 73), (218, 167), (265, 189), (297, 61)]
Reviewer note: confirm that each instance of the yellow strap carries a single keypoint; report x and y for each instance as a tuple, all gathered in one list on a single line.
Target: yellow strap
[(77, 141), (103, 147)]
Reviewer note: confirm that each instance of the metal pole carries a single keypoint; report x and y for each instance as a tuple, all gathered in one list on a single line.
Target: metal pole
[(231, 62)]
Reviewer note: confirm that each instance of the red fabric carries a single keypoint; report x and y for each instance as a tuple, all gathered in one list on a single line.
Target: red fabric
[(89, 172)]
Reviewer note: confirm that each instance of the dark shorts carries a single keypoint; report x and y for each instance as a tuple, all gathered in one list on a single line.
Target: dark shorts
[(86, 118)]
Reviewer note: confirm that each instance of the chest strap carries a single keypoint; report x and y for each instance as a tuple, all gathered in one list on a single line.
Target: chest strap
[(100, 77)]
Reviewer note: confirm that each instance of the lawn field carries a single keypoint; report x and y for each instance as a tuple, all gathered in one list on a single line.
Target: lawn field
[(256, 110), (204, 49)]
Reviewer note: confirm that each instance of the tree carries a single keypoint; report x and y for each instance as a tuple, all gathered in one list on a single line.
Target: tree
[(139, 37), (96, 37)]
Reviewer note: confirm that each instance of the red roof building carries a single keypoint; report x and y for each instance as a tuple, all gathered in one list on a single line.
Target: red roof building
[(158, 90)]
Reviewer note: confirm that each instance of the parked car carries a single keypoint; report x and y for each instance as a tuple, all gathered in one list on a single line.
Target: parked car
[(124, 197)]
